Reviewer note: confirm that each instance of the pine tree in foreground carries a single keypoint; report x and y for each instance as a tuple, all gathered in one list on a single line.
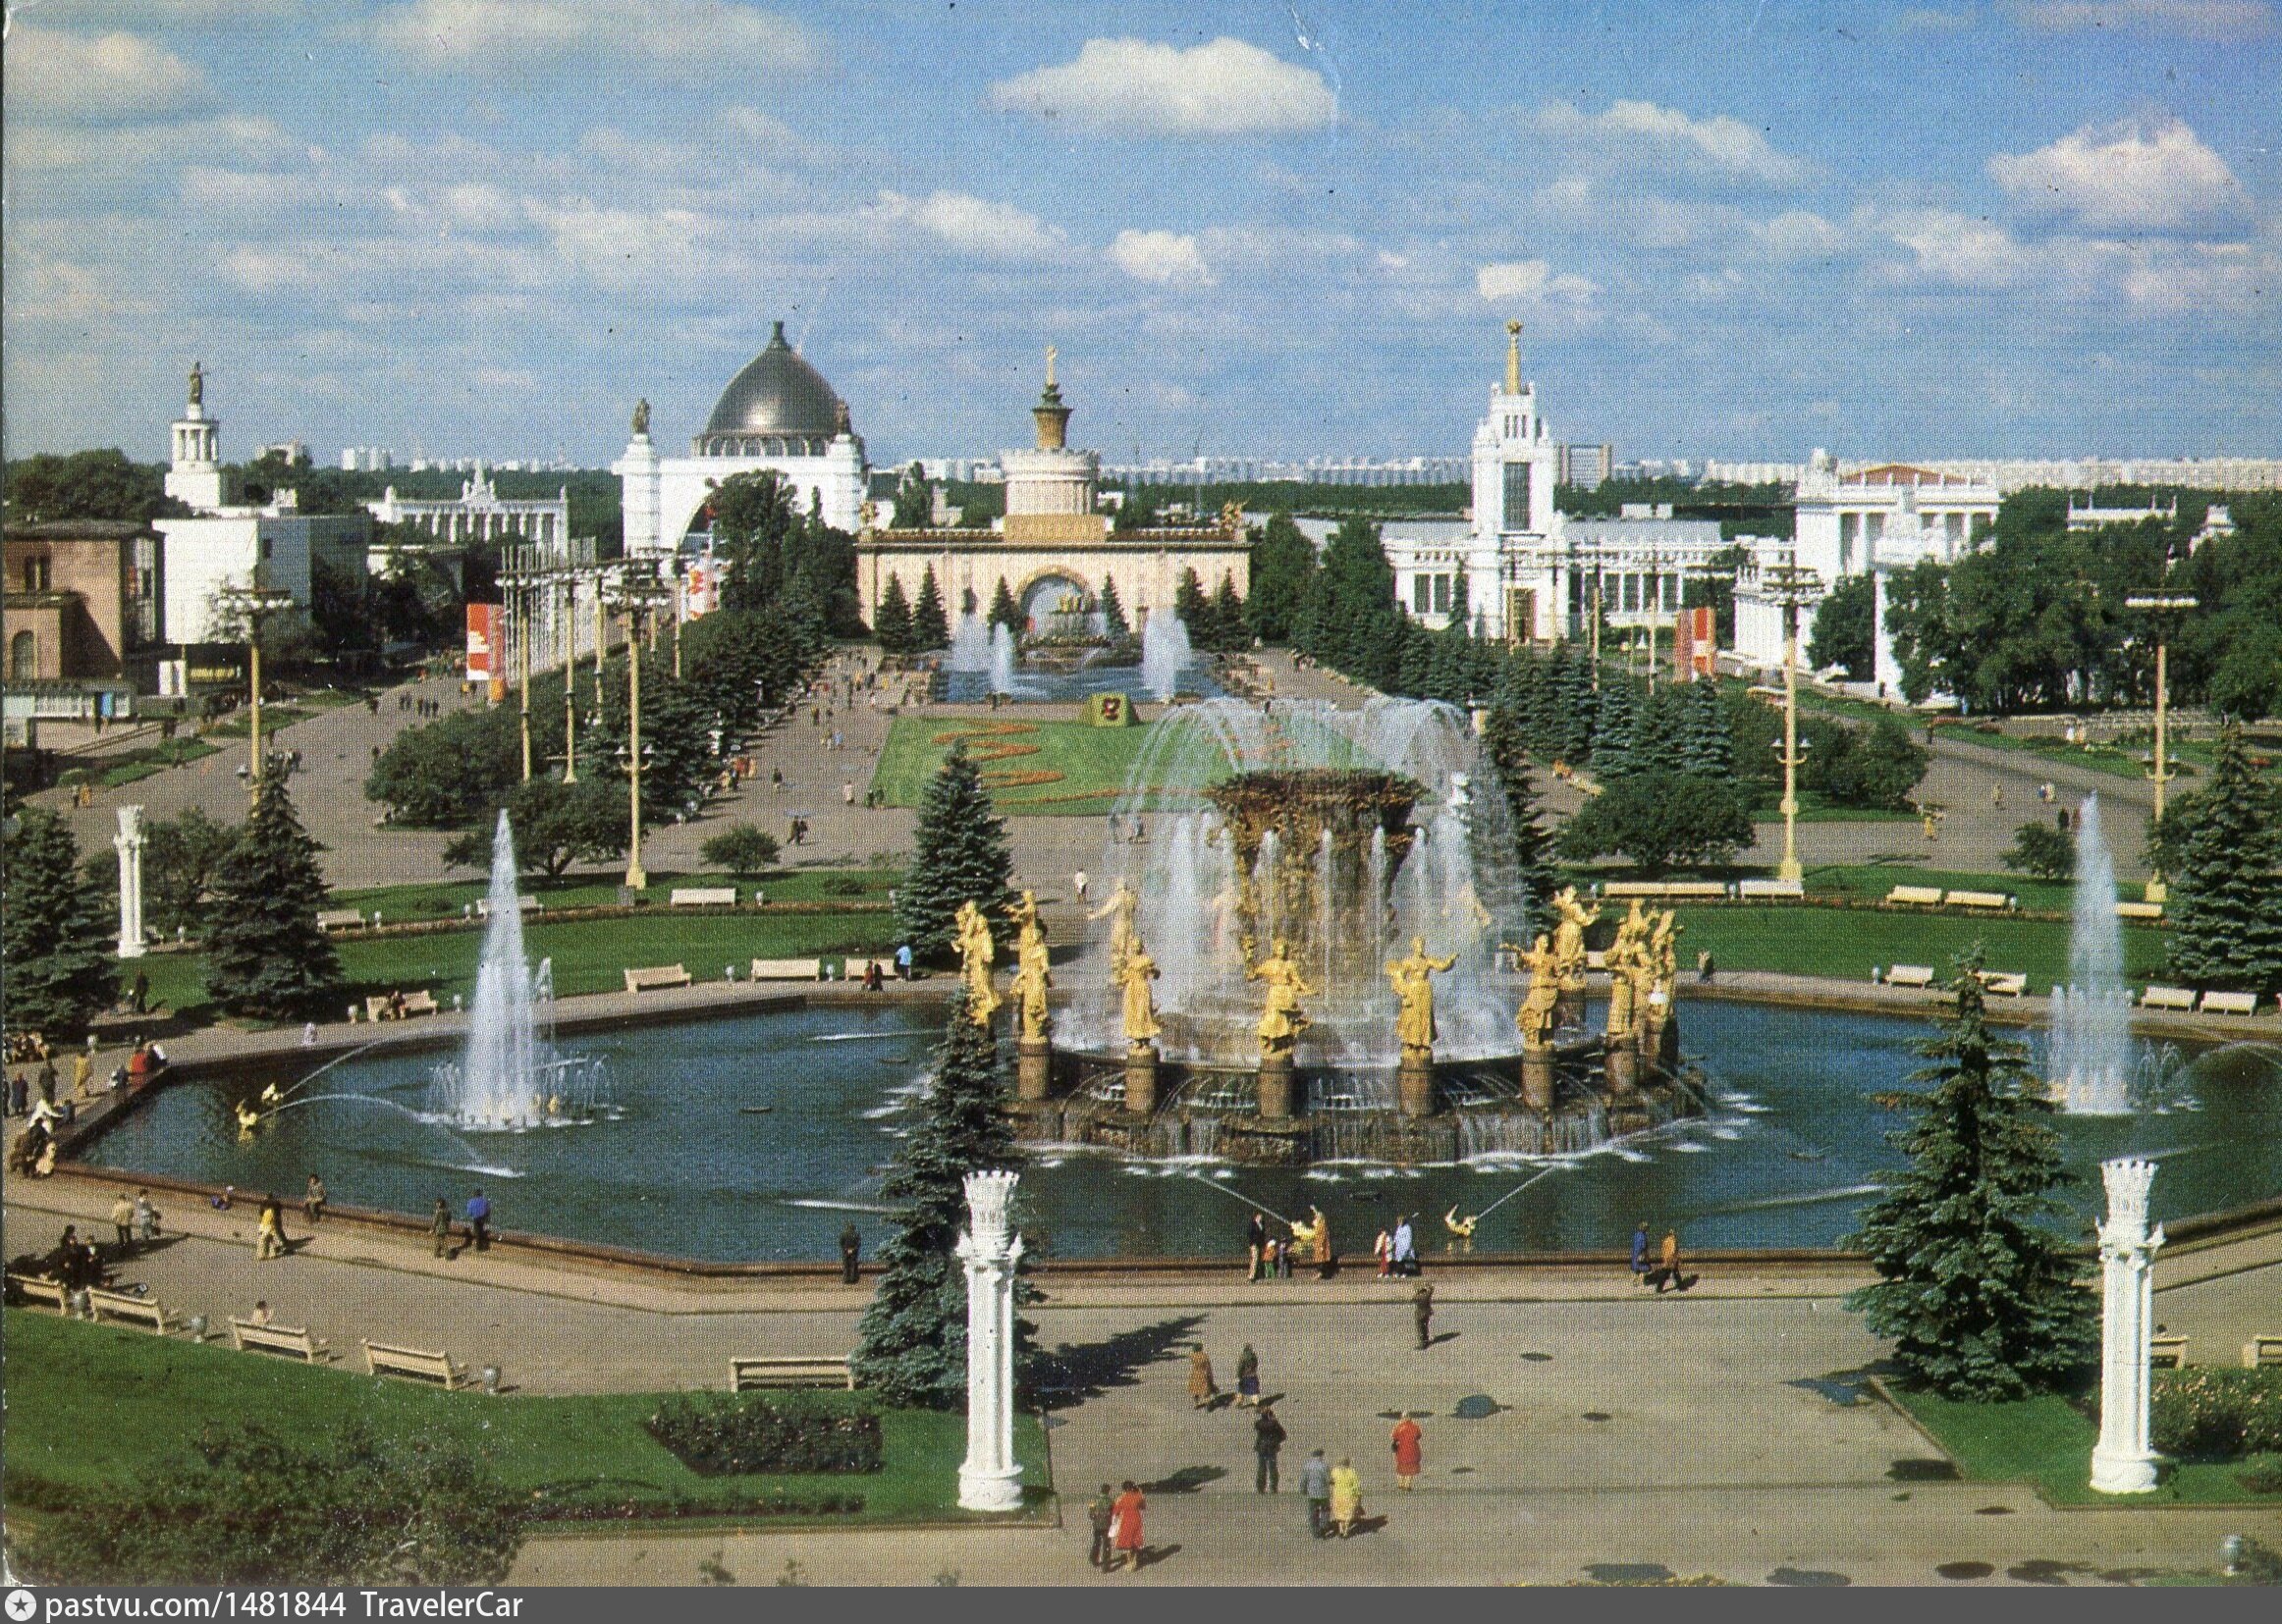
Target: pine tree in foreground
[(911, 1346), (958, 855), (58, 964), (2226, 902), (266, 956), (1980, 1297)]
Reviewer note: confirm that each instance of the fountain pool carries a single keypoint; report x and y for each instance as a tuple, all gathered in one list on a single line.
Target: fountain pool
[(1789, 1152)]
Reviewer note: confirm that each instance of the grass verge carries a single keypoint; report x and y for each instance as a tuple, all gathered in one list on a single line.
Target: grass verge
[(1847, 942), (445, 898), (1068, 769), (93, 1410)]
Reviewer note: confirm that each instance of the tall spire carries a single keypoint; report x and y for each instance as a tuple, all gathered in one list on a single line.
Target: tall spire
[(1513, 357), (1050, 415)]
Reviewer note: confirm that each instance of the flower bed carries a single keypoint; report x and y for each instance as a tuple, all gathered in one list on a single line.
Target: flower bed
[(719, 1435), (2206, 1411)]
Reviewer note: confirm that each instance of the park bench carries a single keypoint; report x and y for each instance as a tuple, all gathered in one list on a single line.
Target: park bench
[(1596, 960), (2167, 1353), (2004, 983), (416, 1362), (2263, 1352), (656, 976), (422, 1003), (788, 969), (1623, 890), (1914, 897), (2230, 1004), (2167, 998), (2138, 910), (1755, 889), (38, 1289), (702, 897), (125, 1304), (293, 1342), (815, 1371), (524, 905), (1909, 975), (338, 919), (1979, 899)]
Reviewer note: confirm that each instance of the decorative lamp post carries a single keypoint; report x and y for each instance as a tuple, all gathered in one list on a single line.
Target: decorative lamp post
[(2164, 606), (990, 1479), (128, 843), (253, 603), (637, 597), (569, 624), (2122, 1463), (1793, 586)]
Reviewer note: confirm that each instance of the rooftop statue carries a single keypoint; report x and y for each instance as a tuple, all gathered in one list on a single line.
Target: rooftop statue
[(197, 384), (642, 416)]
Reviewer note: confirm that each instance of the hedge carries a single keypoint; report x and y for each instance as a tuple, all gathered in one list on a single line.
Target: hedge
[(720, 1435)]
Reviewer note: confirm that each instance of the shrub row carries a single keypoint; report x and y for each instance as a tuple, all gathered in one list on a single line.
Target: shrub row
[(2210, 1412), (721, 1433)]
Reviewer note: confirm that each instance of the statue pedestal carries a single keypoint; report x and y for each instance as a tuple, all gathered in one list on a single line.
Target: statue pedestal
[(1659, 1039), (1536, 1080), (1414, 1084), (1276, 1088), (1141, 1080), (1622, 1066), (1033, 1069), (1569, 1011)]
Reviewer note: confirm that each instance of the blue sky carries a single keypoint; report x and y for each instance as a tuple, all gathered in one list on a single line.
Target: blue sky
[(1746, 229)]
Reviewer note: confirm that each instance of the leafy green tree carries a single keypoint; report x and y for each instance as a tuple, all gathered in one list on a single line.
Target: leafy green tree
[(555, 823), (1659, 818), (1115, 625), (1282, 562), (2226, 884), (1003, 610), (445, 774), (2041, 850), (891, 621), (1707, 751), (755, 520), (1877, 769), (180, 856), (87, 484), (355, 1507), (914, 501), (958, 855), (266, 956), (1979, 1295), (742, 848), (1843, 633), (58, 931), (930, 625), (911, 1345)]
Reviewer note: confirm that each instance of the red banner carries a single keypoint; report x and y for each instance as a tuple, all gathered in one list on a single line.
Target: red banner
[(485, 623)]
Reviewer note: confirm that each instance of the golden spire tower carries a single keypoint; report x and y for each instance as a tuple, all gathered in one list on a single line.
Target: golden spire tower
[(1513, 357)]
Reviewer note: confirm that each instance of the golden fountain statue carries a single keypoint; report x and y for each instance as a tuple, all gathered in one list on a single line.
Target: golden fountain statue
[(1031, 979), (1280, 1021), (1536, 1018), (1134, 975), (1118, 908), (1626, 959), (1569, 938), (1413, 980), (971, 934)]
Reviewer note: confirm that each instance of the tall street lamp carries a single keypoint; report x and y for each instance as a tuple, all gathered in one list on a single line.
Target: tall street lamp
[(569, 623), (2165, 608), (253, 603), (635, 598), (1791, 586)]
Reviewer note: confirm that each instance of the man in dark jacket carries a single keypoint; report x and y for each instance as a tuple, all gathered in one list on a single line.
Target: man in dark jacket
[(1268, 1436), (1315, 1484), (1097, 1512), (851, 1246)]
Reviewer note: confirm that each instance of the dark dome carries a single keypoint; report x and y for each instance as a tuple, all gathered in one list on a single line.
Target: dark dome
[(778, 395)]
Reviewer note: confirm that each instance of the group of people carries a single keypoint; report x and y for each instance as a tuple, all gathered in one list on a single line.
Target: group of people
[(478, 1216), (1269, 1256), (1665, 1271)]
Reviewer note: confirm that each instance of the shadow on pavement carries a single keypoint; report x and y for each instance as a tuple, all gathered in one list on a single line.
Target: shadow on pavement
[(1075, 1372)]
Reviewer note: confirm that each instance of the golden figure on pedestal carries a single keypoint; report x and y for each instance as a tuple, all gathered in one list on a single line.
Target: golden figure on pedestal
[(1569, 938), (1281, 1020), (1031, 979), (1536, 1020), (971, 934), (1118, 908), (1413, 982), (1134, 975)]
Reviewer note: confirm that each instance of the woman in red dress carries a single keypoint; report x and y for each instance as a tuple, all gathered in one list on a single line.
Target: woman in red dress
[(1409, 1452), (1126, 1526)]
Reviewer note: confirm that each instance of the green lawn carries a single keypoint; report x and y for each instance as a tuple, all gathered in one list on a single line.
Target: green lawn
[(274, 716), (1815, 806), (445, 898), (1089, 765), (156, 758), (1847, 942), (2047, 1441), (94, 1408), (1871, 883)]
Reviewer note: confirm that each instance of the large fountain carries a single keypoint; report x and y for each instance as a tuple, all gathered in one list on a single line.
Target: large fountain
[(1329, 914), (1165, 653), (510, 1075), (2090, 1061)]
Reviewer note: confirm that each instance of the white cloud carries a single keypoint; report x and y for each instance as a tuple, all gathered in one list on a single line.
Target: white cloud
[(1799, 233), (667, 39), (1167, 258), (2125, 177), (973, 225), (97, 79), (1641, 132), (1531, 281), (1960, 249), (2196, 18), (2196, 278), (1134, 87)]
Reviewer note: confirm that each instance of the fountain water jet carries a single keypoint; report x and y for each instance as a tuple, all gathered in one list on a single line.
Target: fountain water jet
[(970, 644), (1165, 653), (2091, 1058), (1002, 659)]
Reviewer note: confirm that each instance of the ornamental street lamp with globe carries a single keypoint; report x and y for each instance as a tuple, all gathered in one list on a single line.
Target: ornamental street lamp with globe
[(635, 597), (252, 604), (2165, 608)]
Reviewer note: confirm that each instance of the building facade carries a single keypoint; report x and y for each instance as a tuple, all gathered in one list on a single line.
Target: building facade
[(82, 601)]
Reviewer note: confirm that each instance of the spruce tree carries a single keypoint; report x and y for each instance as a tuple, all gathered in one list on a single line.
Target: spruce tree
[(1228, 629), (58, 967), (891, 621), (1503, 742), (266, 956), (1707, 751), (1577, 708), (1003, 610), (958, 855), (930, 626), (1194, 609), (1979, 1296), (1657, 729), (1613, 723), (911, 1346), (2226, 896), (1114, 626)]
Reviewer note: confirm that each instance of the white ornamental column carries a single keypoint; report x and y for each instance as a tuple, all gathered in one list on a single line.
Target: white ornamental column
[(128, 843), (2121, 1462), (990, 1480)]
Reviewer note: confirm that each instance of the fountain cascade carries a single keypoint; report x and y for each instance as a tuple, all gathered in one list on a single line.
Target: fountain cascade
[(1165, 653), (2091, 1051)]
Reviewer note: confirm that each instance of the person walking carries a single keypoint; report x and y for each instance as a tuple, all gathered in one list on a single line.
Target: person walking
[(1247, 1377), (1405, 1247), (269, 1232), (847, 791), (1268, 1436), (903, 962), (1422, 1313), (1640, 1268), (1346, 1496), (1315, 1487), (122, 1221), (440, 1229), (479, 1222), (1099, 1510), (1284, 1251), (1078, 883), (1327, 1261), (19, 1097), (82, 1073), (1255, 1244), (1202, 1390), (145, 1217), (138, 1000), (1125, 1536), (1384, 1250), (1409, 1451), (851, 1246), (314, 1199), (1668, 1265)]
